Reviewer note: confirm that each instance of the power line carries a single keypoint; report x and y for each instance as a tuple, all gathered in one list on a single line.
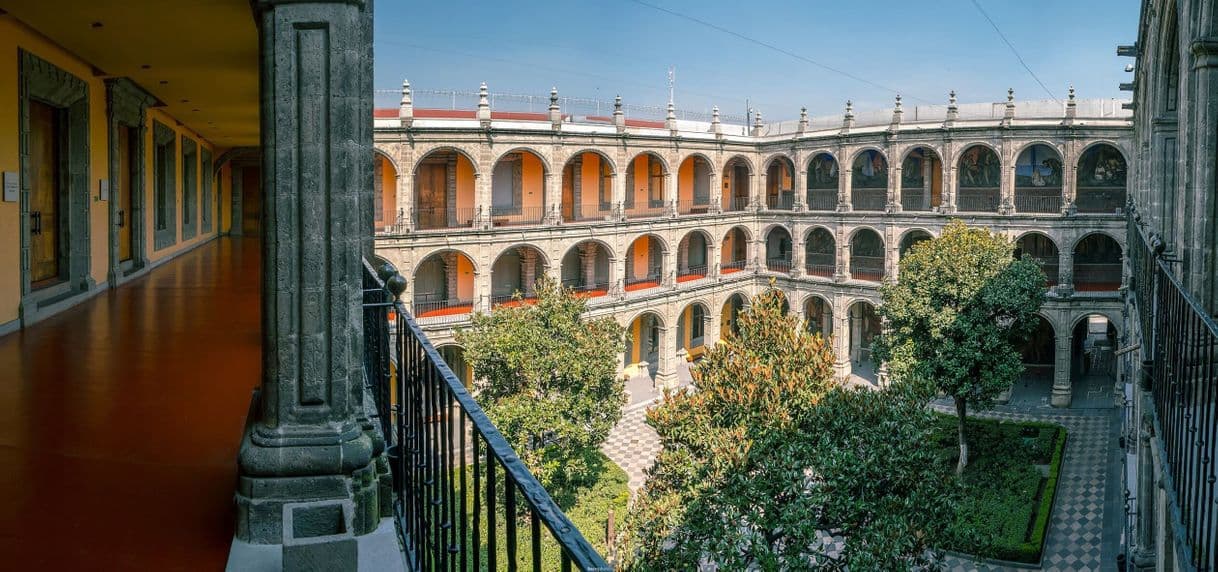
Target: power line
[(775, 48), (1014, 51)]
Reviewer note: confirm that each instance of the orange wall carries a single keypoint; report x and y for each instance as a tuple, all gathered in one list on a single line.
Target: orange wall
[(685, 182), (590, 177), (465, 184), (641, 178), (389, 186), (465, 278), (532, 182), (729, 244), (641, 256), (224, 215)]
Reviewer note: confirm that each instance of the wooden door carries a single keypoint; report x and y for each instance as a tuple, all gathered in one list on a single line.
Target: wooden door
[(433, 199), (44, 194), (122, 194), (251, 201)]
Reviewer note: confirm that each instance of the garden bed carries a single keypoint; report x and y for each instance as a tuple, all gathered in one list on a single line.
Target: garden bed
[(1009, 486)]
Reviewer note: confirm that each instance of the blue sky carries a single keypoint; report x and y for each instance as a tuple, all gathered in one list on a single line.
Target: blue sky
[(602, 48)]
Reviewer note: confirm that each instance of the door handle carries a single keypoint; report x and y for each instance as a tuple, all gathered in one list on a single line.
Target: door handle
[(122, 219), (36, 223)]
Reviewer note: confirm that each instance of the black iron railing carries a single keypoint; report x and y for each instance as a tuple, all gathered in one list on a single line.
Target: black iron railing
[(1100, 201), (649, 211), (585, 213), (778, 264), (914, 201), (1182, 374), (733, 266), (652, 278), (977, 201), (822, 200), (1035, 202), (735, 204), (459, 488), (694, 207), (870, 268), (435, 218), (691, 272), (517, 215), (579, 286), (868, 199), (823, 264), (781, 202)]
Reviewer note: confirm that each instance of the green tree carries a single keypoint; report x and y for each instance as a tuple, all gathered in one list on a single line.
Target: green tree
[(768, 456), (955, 318), (548, 379)]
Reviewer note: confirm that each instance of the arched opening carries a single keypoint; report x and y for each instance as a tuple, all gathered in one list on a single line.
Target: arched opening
[(1097, 264), (444, 286), (864, 325), (822, 183), (978, 176), (1043, 251), (694, 185), (1039, 357), (867, 256), (818, 316), (691, 331), (1093, 361), (693, 256), (820, 253), (1038, 180), (786, 304), (644, 263), (921, 180), (735, 193), (645, 176), (516, 271), (518, 189), (735, 251), (869, 181), (911, 239), (642, 353), (444, 191), (730, 316), (585, 269), (1101, 181), (778, 250), (384, 196), (780, 184), (587, 188), (454, 356)]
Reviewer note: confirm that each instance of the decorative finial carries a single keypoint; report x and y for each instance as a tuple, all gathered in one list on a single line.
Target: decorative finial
[(849, 107), (1010, 94), (619, 119), (898, 101), (617, 104), (848, 118), (406, 109), (803, 119), (896, 112), (1009, 114), (1071, 92), (670, 117), (951, 98), (406, 100), (555, 112), (484, 106), (553, 97), (952, 112), (716, 126)]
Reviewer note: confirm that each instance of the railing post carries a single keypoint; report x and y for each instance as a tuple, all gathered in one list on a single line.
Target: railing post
[(309, 439)]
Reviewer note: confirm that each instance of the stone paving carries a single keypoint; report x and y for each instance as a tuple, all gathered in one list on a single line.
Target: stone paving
[(1076, 529)]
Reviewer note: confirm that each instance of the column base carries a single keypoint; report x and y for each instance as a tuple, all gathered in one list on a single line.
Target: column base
[(842, 369), (377, 550), (1060, 397), (666, 379)]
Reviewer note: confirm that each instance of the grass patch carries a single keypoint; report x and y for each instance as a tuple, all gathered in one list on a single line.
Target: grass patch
[(587, 504), (1009, 486)]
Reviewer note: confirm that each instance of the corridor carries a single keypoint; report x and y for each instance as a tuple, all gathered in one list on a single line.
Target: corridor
[(122, 418)]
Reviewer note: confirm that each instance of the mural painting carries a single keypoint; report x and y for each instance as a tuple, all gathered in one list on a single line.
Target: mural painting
[(1038, 166), (870, 171), (1101, 166), (979, 168), (822, 172)]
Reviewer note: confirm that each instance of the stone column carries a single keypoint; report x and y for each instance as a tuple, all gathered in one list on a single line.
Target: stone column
[(551, 198), (758, 192), (1060, 396), (670, 191), (666, 371), (798, 190), (757, 258), (1065, 271), (716, 190), (842, 264), (450, 275), (404, 213), (799, 251), (841, 342), (712, 259), (308, 440), (450, 191), (481, 298), (1006, 189), (845, 202), (928, 173), (894, 188), (587, 261), (528, 271), (577, 186), (949, 189), (668, 269)]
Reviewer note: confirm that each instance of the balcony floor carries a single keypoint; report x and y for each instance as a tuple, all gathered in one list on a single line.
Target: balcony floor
[(122, 418)]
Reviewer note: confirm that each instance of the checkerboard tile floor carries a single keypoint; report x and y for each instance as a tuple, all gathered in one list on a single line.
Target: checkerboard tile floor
[(1075, 530)]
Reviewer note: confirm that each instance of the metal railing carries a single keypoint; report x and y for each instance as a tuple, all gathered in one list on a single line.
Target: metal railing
[(783, 202), (459, 488), (694, 207), (434, 218), (974, 201), (691, 272), (652, 278), (579, 286), (1097, 276), (585, 213), (820, 264), (778, 265), (822, 200), (1181, 373), (914, 201), (512, 299), (733, 266), (869, 268), (646, 211), (1100, 201), (868, 199), (517, 215), (736, 204), (1036, 203)]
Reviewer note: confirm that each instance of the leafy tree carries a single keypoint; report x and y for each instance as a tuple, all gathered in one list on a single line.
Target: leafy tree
[(957, 315), (548, 380), (768, 458)]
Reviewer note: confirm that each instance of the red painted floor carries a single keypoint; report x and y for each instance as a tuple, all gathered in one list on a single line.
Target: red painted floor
[(120, 420)]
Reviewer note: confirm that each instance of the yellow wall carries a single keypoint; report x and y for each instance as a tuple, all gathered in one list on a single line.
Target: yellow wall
[(389, 186), (465, 185), (685, 181), (14, 36), (150, 189), (224, 215), (636, 340)]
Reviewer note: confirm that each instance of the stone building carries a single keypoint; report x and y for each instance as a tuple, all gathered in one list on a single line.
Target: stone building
[(671, 226), (1171, 339)]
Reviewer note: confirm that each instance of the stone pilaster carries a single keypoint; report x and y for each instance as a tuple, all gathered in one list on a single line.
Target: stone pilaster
[(845, 202), (1065, 271), (307, 440), (666, 371), (577, 186), (1061, 393), (528, 271)]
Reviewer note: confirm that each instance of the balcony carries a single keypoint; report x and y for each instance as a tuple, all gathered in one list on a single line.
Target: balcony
[(691, 273), (868, 200), (736, 204), (869, 268), (783, 202), (585, 289), (822, 200), (977, 201), (516, 215), (439, 309), (1037, 203), (1100, 201), (781, 264), (694, 207), (733, 266), (823, 265), (1097, 277), (653, 208), (438, 218), (649, 280), (458, 487), (587, 213), (914, 201)]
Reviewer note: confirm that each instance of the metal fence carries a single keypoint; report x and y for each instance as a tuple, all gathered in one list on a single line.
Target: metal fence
[(459, 488)]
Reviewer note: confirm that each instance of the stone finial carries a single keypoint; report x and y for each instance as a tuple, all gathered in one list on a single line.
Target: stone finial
[(716, 125), (484, 105), (1009, 113), (619, 118), (757, 125), (555, 112), (952, 111), (1071, 106), (406, 109), (896, 111), (670, 117), (848, 118), (803, 119)]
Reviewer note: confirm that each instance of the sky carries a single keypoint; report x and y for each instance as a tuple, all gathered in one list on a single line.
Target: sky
[(602, 48)]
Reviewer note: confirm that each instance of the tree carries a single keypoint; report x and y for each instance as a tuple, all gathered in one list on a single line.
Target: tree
[(768, 457), (548, 380), (956, 317)]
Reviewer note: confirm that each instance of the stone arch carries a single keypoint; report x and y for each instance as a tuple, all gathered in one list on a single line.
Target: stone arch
[(429, 253), (543, 157), (730, 311), (664, 246), (594, 279), (1097, 259), (856, 153), (444, 189), (664, 166), (608, 160), (920, 184), (860, 228), (692, 328), (1119, 240), (743, 159), (599, 242), (868, 254), (965, 146), (743, 230), (646, 311), (544, 258), (814, 153), (818, 320), (385, 154), (1102, 181), (734, 249), (443, 285), (1077, 317), (691, 263), (910, 237), (908, 150), (779, 247), (1039, 172), (778, 156), (469, 156), (1028, 144), (698, 155), (979, 173), (820, 252)]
